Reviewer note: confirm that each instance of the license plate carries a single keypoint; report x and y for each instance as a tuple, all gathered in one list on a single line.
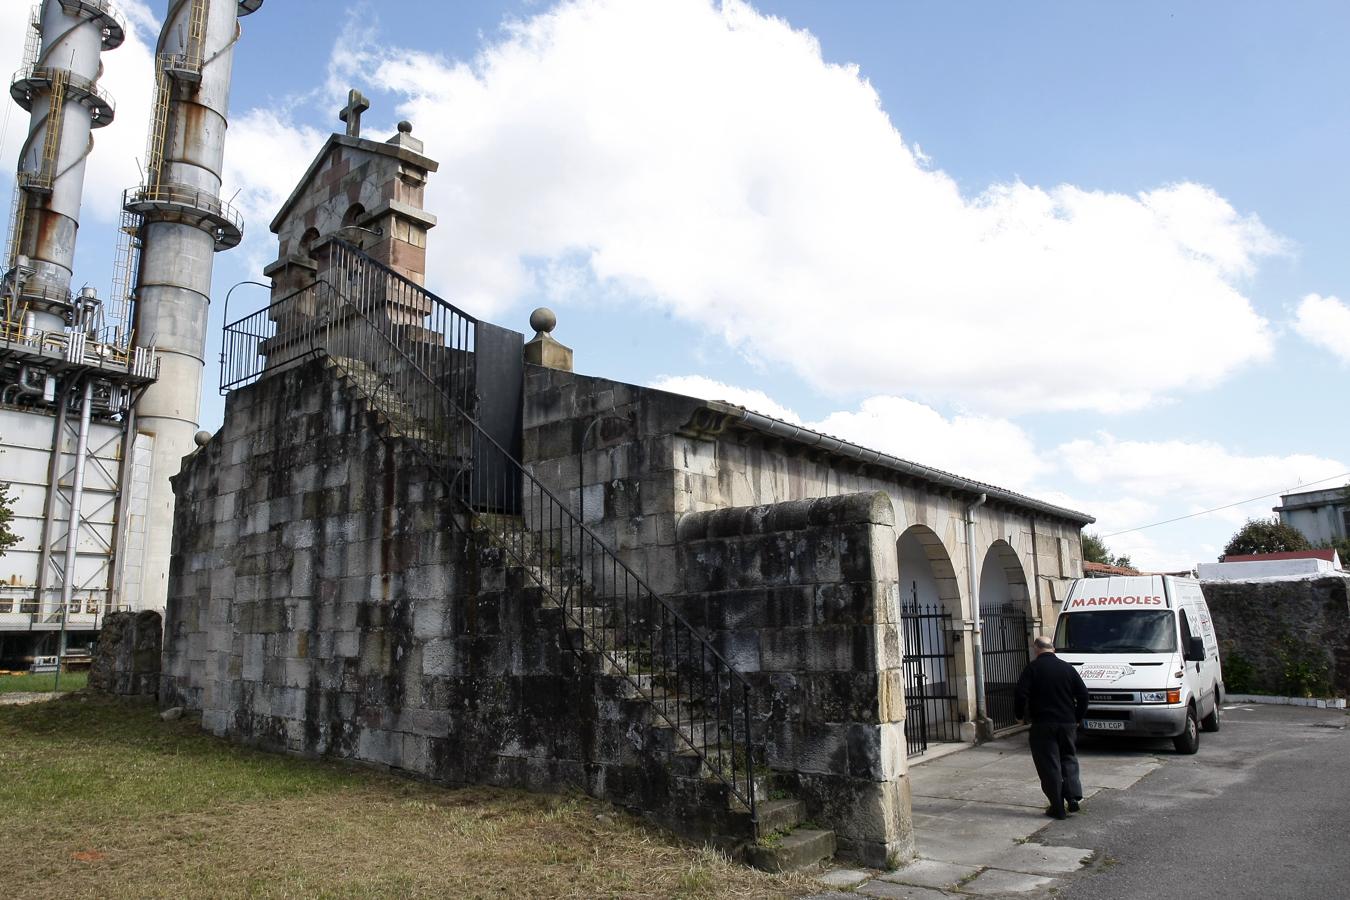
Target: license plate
[(1103, 725)]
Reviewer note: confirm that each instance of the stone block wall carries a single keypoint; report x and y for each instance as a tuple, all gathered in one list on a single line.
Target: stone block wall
[(607, 450), (126, 658), (323, 602), (636, 460), (802, 598), (1283, 635)]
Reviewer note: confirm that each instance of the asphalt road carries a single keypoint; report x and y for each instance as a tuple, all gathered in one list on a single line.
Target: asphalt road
[(1261, 812)]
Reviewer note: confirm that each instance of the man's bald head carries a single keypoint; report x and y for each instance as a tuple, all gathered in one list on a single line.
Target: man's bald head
[(1043, 644)]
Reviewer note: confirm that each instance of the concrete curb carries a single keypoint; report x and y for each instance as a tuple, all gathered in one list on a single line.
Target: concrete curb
[(1315, 702)]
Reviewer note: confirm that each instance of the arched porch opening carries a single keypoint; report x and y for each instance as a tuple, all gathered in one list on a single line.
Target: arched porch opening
[(1005, 625), (930, 603)]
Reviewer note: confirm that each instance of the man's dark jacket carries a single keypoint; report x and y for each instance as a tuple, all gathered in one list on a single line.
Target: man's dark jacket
[(1050, 692)]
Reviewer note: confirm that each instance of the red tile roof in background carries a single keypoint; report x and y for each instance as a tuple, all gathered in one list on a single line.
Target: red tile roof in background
[(1092, 568)]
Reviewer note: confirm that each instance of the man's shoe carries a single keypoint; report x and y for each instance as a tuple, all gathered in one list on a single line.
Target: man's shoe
[(1073, 806), (1056, 812)]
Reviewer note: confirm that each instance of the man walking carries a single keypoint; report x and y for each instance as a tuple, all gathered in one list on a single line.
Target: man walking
[(1051, 695)]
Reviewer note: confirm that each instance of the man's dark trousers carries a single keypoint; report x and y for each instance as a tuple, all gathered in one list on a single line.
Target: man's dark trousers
[(1056, 759)]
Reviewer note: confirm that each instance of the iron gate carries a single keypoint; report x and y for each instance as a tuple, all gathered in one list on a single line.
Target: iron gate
[(930, 688), (1006, 653)]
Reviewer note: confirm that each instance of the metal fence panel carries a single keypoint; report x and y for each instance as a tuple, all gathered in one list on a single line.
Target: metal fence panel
[(1006, 652), (931, 710)]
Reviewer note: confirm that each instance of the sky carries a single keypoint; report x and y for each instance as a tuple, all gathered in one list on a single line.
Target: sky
[(1093, 252)]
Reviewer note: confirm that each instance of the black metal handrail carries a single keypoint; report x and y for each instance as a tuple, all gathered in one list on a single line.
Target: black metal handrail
[(310, 317), (422, 382)]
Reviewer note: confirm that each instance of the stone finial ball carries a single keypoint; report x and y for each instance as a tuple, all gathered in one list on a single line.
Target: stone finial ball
[(202, 438), (543, 320), (405, 127)]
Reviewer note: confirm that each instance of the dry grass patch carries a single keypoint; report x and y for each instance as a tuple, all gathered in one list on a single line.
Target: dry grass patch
[(101, 798)]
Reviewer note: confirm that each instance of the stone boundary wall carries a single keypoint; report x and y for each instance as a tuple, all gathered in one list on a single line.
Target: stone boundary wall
[(126, 657), (322, 602), (1283, 637), (802, 598)]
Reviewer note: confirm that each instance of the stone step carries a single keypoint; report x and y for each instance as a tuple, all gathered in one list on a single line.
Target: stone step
[(618, 663), (779, 815), (636, 686), (762, 789), (596, 636), (703, 762), (793, 851), (698, 734)]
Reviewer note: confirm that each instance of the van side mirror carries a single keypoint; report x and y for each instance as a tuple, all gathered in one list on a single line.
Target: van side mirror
[(1195, 650)]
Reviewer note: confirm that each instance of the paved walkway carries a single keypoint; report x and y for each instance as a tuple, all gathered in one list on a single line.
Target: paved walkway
[(977, 814)]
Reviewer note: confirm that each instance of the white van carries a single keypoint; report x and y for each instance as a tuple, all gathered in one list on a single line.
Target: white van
[(1146, 649)]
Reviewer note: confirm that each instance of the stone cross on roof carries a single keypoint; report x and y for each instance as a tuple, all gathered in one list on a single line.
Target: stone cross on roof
[(351, 113)]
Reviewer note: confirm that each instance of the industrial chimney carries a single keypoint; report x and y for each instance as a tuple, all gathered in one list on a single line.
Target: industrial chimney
[(58, 86), (182, 223)]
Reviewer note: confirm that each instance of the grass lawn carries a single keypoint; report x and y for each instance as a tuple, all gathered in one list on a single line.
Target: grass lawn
[(70, 681), (101, 798)]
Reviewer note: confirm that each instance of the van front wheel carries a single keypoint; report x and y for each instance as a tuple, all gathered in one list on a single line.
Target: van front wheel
[(1189, 740), (1211, 722)]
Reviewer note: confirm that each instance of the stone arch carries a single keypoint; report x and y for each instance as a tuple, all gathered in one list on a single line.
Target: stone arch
[(1005, 624), (1003, 583), (307, 241), (926, 565), (353, 216), (934, 669)]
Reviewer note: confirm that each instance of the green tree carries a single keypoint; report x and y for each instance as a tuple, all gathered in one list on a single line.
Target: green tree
[(1266, 536), (1340, 545), (7, 536), (1096, 551)]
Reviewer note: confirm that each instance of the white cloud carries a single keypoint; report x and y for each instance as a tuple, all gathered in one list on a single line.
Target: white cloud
[(1325, 322), (1123, 483), (1127, 484), (708, 160), (1200, 474), (1158, 553), (988, 449), (981, 447), (711, 389), (286, 151)]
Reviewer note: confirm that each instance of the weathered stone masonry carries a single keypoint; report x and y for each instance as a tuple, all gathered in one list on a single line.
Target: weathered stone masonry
[(1283, 627), (323, 602), (635, 460), (802, 597)]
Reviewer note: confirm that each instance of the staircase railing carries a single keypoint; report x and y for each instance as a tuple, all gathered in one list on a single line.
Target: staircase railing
[(412, 353)]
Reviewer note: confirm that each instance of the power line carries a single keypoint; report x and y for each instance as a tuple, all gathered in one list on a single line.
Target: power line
[(1205, 512)]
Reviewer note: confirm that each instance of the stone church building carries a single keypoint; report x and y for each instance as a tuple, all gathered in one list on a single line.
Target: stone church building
[(421, 541)]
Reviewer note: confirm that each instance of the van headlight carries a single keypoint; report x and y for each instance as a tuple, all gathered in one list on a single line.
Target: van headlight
[(1154, 696)]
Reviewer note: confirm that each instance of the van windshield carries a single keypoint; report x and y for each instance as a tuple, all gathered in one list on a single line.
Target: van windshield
[(1117, 631)]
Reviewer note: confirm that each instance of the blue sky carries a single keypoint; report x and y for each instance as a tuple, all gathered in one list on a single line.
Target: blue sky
[(1091, 251)]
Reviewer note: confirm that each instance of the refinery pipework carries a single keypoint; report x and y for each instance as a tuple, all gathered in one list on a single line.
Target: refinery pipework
[(58, 85)]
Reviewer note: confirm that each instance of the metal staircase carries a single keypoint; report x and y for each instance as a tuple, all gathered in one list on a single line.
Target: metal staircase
[(408, 354)]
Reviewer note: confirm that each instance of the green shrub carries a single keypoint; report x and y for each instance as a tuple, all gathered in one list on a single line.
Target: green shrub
[(1239, 675), (1305, 668)]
